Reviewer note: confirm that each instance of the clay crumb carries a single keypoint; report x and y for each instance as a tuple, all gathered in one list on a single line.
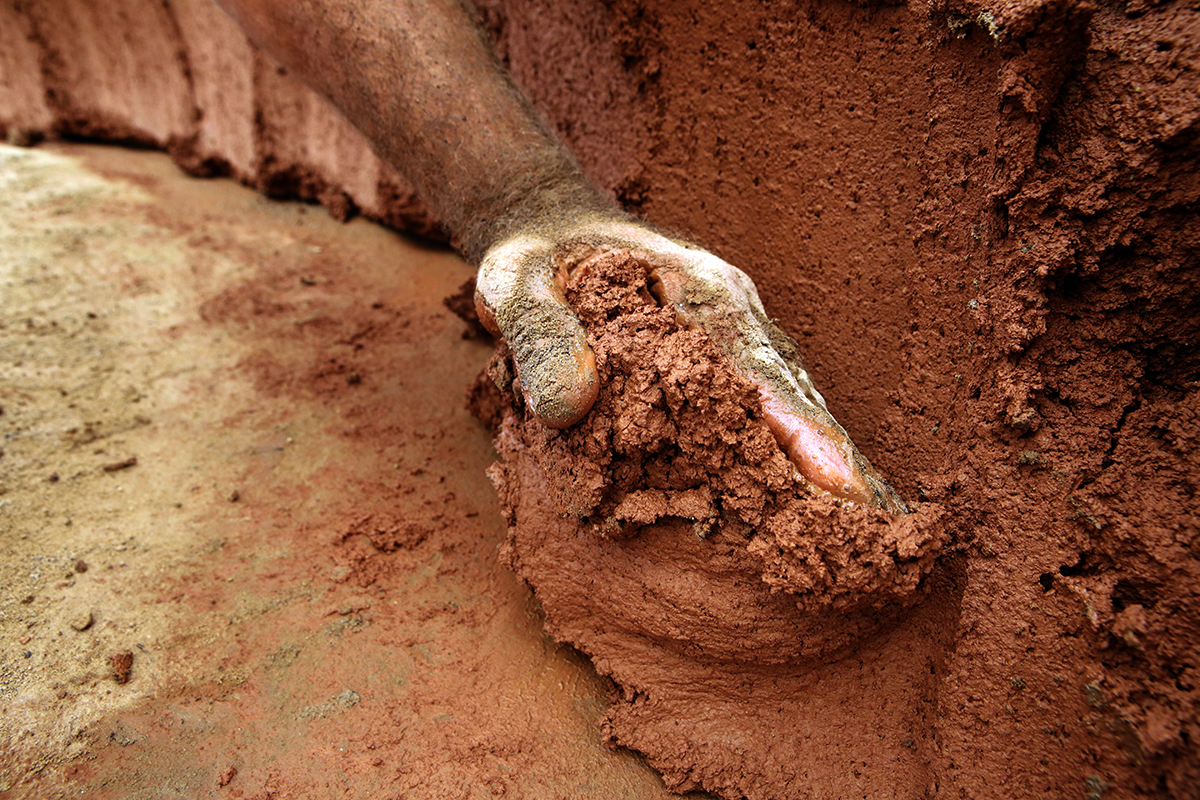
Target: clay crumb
[(227, 776), (122, 664), (462, 305)]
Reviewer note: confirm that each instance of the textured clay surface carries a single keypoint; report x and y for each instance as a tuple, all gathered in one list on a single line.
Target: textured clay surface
[(978, 221), (248, 548), (669, 538)]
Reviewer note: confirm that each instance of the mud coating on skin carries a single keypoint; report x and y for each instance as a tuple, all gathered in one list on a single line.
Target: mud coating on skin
[(521, 298)]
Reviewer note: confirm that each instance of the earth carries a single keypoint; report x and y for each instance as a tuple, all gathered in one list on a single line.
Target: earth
[(249, 546)]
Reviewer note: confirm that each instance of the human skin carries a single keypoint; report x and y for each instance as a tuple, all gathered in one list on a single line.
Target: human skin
[(419, 80)]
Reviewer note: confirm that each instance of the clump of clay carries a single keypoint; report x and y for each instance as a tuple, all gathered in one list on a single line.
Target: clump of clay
[(676, 434), (669, 538)]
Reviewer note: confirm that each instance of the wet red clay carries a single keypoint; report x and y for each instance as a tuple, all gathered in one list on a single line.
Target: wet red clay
[(977, 219)]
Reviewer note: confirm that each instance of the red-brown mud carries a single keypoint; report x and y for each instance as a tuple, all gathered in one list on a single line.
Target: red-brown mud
[(977, 219), (669, 538), (300, 575)]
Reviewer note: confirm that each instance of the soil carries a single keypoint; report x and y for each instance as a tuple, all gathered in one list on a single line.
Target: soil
[(977, 220), (669, 538), (249, 546)]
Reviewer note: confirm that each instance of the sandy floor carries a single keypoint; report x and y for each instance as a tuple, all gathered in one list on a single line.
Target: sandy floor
[(249, 547)]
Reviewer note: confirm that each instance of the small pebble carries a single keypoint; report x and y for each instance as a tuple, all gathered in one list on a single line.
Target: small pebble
[(81, 621), (81, 566)]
